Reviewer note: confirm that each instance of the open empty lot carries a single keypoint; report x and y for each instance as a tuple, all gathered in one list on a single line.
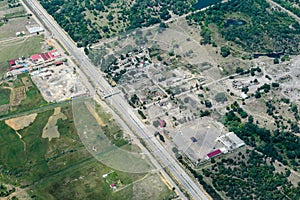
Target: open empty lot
[(26, 47), (58, 83)]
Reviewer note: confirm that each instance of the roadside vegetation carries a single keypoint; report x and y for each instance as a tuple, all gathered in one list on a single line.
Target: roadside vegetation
[(89, 21), (290, 5)]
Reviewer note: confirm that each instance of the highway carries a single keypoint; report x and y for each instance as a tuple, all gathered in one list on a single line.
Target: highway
[(93, 79)]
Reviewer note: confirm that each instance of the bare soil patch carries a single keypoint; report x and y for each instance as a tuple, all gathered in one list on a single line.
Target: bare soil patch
[(4, 109), (27, 82), (17, 95), (19, 123), (51, 129), (150, 187), (94, 113), (20, 193)]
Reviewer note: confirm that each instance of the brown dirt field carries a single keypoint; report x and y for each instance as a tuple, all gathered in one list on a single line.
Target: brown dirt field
[(51, 129), (27, 82), (19, 123), (4, 109), (94, 113), (20, 193), (149, 187), (17, 95), (51, 43)]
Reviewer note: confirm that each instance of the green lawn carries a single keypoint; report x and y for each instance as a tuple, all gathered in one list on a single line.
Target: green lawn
[(4, 96), (23, 47)]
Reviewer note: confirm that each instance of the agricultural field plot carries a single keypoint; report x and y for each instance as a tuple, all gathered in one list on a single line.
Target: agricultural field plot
[(23, 96), (4, 96), (22, 122), (63, 168), (17, 96), (51, 129), (4, 100), (26, 47)]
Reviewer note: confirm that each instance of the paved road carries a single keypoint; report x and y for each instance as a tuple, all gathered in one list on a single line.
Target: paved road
[(285, 10), (93, 78)]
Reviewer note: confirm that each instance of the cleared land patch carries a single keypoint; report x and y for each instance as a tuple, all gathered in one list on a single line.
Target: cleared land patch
[(94, 113), (19, 123), (51, 129), (17, 95), (151, 187)]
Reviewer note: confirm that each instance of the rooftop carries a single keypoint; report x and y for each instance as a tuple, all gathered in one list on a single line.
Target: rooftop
[(214, 153), (35, 57)]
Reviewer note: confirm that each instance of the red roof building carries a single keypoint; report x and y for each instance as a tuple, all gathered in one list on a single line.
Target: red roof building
[(58, 63), (45, 56), (214, 153), (53, 54), (12, 62), (162, 123), (35, 57)]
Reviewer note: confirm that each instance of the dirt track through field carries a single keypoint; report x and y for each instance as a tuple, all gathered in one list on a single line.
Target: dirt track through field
[(94, 113)]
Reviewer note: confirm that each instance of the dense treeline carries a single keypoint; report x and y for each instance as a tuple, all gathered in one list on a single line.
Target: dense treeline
[(70, 16), (250, 176), (208, 188), (252, 24), (280, 145), (290, 5), (83, 19)]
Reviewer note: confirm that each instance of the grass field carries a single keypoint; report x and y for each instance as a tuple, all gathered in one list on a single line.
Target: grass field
[(15, 49), (4, 96), (63, 168)]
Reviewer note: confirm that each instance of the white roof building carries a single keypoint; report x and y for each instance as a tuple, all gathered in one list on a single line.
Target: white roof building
[(34, 29), (231, 141)]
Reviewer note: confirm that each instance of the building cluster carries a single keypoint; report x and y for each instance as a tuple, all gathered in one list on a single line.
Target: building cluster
[(131, 60), (23, 65), (231, 142), (45, 57)]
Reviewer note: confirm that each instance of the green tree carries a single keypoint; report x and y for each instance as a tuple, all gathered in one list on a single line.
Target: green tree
[(225, 51)]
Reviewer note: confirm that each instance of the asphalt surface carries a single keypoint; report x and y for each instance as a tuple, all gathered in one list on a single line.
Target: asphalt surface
[(93, 79)]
